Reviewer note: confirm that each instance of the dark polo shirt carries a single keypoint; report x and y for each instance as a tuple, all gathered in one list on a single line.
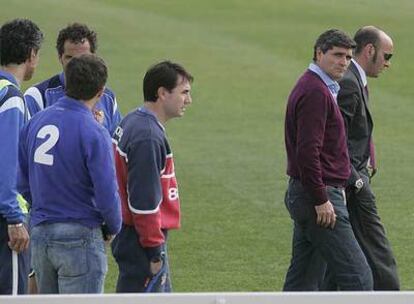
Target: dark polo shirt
[(315, 138)]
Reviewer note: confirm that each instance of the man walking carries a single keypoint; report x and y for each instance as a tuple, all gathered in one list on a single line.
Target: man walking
[(374, 49), (318, 166)]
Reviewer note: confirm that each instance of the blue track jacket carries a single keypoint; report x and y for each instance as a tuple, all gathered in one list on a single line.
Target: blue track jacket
[(48, 92), (67, 168), (12, 118)]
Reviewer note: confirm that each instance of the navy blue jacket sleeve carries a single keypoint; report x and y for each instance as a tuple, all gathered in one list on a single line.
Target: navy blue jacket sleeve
[(145, 164)]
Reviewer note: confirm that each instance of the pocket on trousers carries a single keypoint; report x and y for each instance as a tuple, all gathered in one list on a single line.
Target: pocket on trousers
[(299, 204), (69, 257)]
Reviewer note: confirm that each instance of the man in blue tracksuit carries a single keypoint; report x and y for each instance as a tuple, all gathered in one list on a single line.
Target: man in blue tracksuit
[(74, 40), (20, 41), (67, 174)]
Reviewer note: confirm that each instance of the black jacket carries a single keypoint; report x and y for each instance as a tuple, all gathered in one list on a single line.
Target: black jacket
[(354, 105)]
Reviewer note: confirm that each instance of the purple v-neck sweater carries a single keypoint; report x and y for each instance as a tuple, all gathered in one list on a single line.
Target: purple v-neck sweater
[(315, 138)]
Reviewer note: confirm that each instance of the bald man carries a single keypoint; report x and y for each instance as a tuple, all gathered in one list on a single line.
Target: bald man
[(372, 56)]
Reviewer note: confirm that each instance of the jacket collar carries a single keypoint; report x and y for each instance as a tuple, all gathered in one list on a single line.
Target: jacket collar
[(360, 71), (9, 77)]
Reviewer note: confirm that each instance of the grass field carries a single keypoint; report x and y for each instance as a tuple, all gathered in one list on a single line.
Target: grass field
[(229, 147)]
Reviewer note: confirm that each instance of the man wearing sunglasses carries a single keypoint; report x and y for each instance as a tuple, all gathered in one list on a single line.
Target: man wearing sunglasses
[(371, 56)]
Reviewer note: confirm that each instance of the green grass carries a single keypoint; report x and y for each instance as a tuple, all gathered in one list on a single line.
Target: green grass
[(229, 148)]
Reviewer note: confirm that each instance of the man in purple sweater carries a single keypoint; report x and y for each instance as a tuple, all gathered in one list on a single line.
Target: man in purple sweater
[(318, 166)]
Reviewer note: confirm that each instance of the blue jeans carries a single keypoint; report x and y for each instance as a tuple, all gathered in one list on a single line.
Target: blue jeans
[(133, 264), (68, 258), (315, 247)]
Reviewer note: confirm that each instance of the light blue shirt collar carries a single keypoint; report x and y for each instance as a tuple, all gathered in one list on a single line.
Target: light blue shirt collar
[(332, 85), (361, 72)]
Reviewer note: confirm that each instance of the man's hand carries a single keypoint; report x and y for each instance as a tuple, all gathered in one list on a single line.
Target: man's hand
[(109, 238), (326, 216), (371, 172), (18, 237), (155, 267)]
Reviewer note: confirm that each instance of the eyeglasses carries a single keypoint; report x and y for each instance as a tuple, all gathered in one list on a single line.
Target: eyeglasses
[(387, 56)]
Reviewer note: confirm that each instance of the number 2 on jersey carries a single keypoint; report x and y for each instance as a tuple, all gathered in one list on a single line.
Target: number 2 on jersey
[(41, 156)]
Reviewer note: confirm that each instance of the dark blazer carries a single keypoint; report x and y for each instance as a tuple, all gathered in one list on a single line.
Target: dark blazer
[(354, 104)]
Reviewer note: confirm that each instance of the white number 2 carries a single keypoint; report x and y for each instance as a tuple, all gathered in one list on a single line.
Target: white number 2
[(41, 155)]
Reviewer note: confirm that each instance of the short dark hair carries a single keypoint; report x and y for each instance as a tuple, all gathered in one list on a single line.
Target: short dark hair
[(17, 40), (367, 35), (76, 33), (331, 38), (85, 76), (164, 74)]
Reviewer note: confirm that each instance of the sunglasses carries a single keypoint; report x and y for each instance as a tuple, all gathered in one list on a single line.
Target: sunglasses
[(387, 56)]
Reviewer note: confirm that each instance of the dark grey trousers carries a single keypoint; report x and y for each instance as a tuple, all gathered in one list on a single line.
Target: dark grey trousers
[(370, 233)]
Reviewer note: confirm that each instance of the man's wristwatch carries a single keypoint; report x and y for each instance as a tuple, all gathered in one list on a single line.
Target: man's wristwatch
[(359, 184)]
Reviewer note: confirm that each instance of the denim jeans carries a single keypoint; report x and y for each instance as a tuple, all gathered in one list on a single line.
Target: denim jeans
[(68, 258), (315, 247), (134, 274)]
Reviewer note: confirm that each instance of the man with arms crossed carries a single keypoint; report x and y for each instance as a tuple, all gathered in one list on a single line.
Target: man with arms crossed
[(373, 52), (146, 178), (318, 166), (74, 40), (68, 176), (20, 41)]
